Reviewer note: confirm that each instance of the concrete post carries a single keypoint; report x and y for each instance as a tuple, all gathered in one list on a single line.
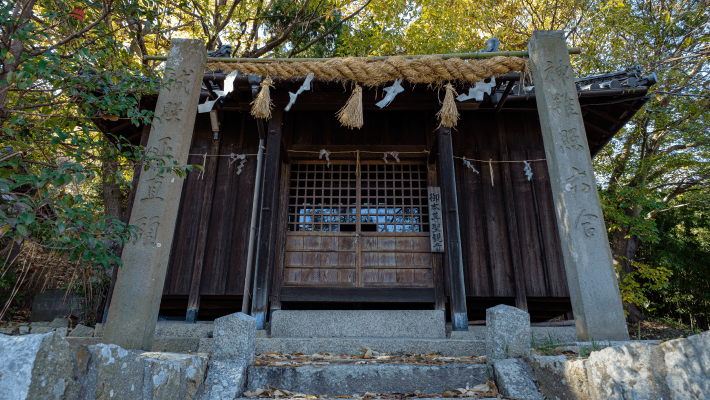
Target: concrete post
[(139, 287), (588, 263)]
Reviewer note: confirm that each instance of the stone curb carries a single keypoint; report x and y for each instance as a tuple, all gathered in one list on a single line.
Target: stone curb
[(378, 378), (447, 347)]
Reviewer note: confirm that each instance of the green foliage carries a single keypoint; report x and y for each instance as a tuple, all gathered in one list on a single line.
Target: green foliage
[(684, 250), (285, 15), (60, 78)]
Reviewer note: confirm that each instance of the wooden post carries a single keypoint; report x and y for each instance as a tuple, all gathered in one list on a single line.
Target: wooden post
[(210, 173), (266, 247), (459, 316)]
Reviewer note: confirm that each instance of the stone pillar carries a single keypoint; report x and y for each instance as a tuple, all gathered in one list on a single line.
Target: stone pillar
[(139, 287), (590, 272)]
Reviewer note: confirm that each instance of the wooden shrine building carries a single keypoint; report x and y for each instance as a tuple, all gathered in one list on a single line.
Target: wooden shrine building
[(345, 219)]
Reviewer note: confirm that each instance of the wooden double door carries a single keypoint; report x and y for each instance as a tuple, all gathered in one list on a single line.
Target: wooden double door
[(358, 226)]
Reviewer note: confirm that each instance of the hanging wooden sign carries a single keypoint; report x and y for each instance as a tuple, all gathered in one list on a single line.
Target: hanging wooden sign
[(436, 225)]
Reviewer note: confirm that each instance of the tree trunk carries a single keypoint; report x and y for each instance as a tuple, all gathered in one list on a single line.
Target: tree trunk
[(112, 196), (624, 250), (111, 189)]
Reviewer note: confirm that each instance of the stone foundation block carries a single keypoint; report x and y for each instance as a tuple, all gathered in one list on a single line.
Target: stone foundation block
[(181, 329), (226, 380), (507, 333), (558, 334), (174, 376), (37, 367), (234, 338), (82, 331), (561, 378), (360, 323), (515, 379)]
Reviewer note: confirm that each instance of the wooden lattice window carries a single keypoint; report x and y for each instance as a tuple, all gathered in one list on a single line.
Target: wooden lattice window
[(384, 198)]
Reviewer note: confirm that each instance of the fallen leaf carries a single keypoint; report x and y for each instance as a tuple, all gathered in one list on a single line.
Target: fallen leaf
[(272, 352), (480, 387), (368, 354), (448, 394)]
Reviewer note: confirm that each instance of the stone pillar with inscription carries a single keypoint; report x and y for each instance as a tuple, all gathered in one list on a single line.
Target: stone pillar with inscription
[(594, 291), (139, 287)]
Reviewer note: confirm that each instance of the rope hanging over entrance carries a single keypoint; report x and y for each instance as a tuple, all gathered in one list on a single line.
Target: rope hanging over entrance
[(430, 70), (427, 69)]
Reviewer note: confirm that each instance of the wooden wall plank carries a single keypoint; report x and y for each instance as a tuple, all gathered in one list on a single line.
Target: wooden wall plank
[(210, 175), (227, 189), (511, 220)]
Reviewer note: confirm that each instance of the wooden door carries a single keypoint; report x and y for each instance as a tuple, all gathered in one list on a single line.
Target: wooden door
[(350, 228)]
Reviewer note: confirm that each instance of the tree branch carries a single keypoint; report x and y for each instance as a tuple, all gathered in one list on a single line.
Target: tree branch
[(269, 46), (329, 31), (73, 36)]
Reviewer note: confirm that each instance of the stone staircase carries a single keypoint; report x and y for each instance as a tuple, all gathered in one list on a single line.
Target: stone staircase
[(355, 332), (382, 335), (412, 331), (346, 333)]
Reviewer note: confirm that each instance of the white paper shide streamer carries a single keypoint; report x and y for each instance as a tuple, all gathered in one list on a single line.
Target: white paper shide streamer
[(306, 86), (326, 153), (394, 155), (234, 157), (528, 170), (468, 164), (228, 87), (391, 91), (478, 91)]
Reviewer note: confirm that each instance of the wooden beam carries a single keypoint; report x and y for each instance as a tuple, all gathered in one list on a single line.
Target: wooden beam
[(432, 142), (282, 227), (447, 182), (254, 82), (504, 97), (595, 128), (358, 295), (601, 114), (266, 245), (511, 220), (193, 304)]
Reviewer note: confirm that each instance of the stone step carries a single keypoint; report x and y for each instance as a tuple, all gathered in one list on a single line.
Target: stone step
[(447, 347), (358, 323), (337, 380), (541, 334)]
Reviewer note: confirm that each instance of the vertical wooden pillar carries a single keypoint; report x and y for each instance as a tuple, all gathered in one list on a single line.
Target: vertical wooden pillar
[(210, 173), (459, 316), (266, 246)]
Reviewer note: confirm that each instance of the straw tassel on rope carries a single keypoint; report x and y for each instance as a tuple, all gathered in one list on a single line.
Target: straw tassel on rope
[(351, 114), (449, 114), (261, 106)]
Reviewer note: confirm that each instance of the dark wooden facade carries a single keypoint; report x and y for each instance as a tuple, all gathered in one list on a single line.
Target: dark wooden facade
[(494, 240), (509, 244)]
